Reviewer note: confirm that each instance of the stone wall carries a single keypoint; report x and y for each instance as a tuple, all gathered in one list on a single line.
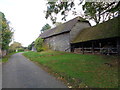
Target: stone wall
[(77, 28), (59, 42), (62, 42)]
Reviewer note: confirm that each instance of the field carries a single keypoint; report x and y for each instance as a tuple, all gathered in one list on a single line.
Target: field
[(77, 70)]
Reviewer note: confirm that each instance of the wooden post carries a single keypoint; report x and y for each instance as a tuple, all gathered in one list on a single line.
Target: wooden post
[(72, 48), (93, 48), (82, 48), (118, 46), (100, 45)]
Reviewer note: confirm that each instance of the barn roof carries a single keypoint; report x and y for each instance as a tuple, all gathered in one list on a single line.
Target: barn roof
[(108, 29), (65, 27)]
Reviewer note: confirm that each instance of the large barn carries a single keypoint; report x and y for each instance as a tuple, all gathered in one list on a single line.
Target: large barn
[(103, 38), (60, 37), (78, 36)]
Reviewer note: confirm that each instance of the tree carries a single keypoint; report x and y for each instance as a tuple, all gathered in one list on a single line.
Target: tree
[(39, 44), (58, 23), (93, 10), (30, 46), (15, 46), (58, 6), (6, 33), (101, 11), (45, 27)]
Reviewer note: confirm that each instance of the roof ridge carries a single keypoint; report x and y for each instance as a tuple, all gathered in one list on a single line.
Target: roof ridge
[(65, 27)]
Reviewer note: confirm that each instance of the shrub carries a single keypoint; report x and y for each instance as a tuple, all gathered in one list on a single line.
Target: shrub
[(39, 44), (20, 49)]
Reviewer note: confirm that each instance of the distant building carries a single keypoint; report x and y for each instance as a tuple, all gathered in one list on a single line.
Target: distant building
[(33, 47)]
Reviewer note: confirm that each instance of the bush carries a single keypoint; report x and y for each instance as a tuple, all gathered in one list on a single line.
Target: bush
[(20, 49), (39, 44)]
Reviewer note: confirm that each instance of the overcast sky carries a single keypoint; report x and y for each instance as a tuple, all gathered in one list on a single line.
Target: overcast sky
[(27, 18)]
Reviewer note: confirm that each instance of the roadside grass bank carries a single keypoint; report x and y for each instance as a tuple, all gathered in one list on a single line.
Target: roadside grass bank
[(77, 70), (5, 58)]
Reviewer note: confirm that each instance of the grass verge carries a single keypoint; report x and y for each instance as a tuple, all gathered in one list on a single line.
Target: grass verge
[(79, 71), (5, 58)]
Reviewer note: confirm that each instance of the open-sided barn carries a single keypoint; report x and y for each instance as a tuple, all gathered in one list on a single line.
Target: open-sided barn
[(102, 38), (78, 36)]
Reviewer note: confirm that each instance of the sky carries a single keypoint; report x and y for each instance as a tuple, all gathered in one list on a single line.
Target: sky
[(27, 17)]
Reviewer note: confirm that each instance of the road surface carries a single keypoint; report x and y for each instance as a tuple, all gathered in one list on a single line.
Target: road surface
[(22, 73)]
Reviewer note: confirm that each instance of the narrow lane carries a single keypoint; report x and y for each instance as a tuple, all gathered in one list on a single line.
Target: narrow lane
[(22, 73)]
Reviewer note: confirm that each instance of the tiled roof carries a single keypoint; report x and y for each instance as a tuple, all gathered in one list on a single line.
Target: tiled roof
[(65, 27)]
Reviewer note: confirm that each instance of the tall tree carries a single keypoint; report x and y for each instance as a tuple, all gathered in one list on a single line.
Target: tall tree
[(6, 32), (96, 11), (45, 27)]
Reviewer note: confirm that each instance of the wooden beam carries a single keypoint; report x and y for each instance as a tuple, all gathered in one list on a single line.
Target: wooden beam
[(118, 46), (100, 46), (93, 47), (82, 48)]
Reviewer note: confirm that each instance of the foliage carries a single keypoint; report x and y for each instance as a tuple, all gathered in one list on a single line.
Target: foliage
[(15, 46), (97, 11), (6, 33), (45, 27), (81, 71), (100, 11), (20, 49), (5, 59), (58, 23), (30, 46), (39, 44), (58, 6)]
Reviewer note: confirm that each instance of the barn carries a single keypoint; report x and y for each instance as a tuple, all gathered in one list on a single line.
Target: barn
[(60, 37), (78, 36), (103, 38)]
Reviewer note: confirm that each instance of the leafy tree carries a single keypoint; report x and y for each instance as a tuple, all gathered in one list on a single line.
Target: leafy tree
[(6, 33), (30, 46), (58, 23), (101, 11), (45, 27), (58, 6), (39, 44), (15, 46), (93, 10)]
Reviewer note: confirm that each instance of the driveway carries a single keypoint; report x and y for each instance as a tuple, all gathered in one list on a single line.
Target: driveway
[(20, 72)]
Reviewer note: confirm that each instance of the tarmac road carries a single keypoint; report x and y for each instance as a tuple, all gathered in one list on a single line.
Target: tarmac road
[(22, 73)]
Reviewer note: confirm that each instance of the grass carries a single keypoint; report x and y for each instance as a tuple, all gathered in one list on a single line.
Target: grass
[(5, 58), (78, 70)]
